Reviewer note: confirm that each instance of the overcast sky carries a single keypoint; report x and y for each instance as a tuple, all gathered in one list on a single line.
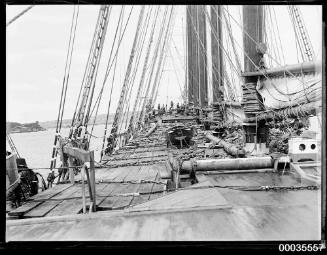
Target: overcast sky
[(37, 47)]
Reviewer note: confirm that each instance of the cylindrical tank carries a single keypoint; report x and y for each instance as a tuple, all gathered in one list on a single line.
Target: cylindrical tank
[(228, 164)]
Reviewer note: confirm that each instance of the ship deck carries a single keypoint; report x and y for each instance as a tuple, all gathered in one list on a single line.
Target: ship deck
[(134, 202)]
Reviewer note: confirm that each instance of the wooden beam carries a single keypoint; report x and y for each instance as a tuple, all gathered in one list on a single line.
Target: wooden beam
[(85, 156), (71, 170), (83, 189), (80, 154), (92, 179), (305, 67)]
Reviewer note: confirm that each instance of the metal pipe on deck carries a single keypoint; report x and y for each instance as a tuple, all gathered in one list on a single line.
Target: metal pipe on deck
[(228, 164), (229, 148)]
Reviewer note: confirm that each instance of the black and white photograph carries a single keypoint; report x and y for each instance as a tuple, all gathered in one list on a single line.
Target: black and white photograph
[(139, 122)]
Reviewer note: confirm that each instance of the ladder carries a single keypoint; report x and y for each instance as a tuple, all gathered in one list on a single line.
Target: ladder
[(300, 30), (92, 65)]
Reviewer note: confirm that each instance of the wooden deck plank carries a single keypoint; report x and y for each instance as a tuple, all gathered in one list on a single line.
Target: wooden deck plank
[(118, 202), (142, 188), (107, 189), (186, 199), (26, 207), (120, 188), (111, 174), (67, 207), (99, 173), (153, 174), (42, 209), (163, 171), (145, 188), (108, 201), (121, 176), (252, 179), (158, 188), (68, 192), (133, 175), (147, 173), (122, 202), (124, 171), (139, 199), (155, 195), (47, 194), (52, 191)]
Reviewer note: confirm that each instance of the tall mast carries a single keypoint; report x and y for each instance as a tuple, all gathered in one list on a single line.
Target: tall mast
[(196, 55), (217, 60), (217, 54), (252, 38), (202, 57), (189, 53), (195, 60)]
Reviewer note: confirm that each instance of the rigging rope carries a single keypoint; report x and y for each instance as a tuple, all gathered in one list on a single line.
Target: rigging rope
[(132, 80), (153, 62), (125, 84), (64, 84), (139, 50), (163, 51), (19, 15), (141, 84), (92, 66), (260, 70), (98, 50), (246, 33), (97, 103)]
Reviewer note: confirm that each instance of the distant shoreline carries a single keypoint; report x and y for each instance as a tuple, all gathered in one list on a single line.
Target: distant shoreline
[(101, 119), (45, 129), (66, 123)]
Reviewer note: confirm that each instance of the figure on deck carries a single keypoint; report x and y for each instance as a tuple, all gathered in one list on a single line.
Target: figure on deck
[(110, 144)]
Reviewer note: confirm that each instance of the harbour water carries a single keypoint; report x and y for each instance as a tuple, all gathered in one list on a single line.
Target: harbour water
[(36, 147)]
